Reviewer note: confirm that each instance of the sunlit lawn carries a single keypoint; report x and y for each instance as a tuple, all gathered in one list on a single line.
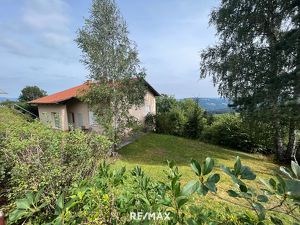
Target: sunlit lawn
[(152, 150)]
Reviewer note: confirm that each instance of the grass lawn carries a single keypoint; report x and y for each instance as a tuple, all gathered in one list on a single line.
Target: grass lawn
[(152, 150)]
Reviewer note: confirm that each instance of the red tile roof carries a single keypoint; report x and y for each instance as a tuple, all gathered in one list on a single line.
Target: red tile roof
[(61, 96), (73, 93)]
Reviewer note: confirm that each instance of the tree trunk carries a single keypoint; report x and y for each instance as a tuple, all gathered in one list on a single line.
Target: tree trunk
[(280, 153), (291, 147)]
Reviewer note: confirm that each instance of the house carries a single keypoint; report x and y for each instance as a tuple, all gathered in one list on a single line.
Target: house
[(63, 110)]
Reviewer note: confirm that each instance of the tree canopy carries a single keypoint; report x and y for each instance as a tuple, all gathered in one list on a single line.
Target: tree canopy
[(30, 93), (255, 66)]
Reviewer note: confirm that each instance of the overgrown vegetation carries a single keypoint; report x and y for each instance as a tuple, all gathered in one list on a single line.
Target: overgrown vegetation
[(112, 196), (34, 156), (186, 119)]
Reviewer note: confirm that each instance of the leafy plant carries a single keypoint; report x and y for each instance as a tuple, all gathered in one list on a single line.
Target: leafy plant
[(112, 195), (204, 183), (28, 207)]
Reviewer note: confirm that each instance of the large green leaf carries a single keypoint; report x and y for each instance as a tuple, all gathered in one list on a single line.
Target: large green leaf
[(293, 188), (232, 193), (243, 188), (215, 178), (60, 201), (237, 166), (17, 214), (296, 169), (208, 166), (191, 187), (211, 186), (23, 204), (226, 170), (260, 209), (247, 174), (30, 198), (262, 198), (286, 172), (196, 167), (202, 190)]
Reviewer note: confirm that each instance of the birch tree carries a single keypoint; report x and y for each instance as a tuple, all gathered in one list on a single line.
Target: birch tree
[(117, 79), (253, 66)]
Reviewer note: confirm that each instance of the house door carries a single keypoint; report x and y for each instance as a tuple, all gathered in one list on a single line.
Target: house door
[(71, 120)]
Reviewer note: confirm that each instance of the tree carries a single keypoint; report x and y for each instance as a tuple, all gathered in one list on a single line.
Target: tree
[(117, 80), (165, 103), (195, 120), (30, 93), (291, 46), (250, 64)]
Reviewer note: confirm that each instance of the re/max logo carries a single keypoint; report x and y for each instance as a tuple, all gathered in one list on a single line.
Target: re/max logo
[(149, 216)]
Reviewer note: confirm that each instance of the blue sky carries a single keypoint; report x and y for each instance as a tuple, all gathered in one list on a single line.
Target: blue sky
[(37, 43)]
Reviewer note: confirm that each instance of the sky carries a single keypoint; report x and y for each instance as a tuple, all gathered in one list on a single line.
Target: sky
[(37, 43)]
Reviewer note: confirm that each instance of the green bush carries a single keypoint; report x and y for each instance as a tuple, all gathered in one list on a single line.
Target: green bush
[(229, 130), (233, 131), (113, 195), (181, 118), (150, 122), (186, 119), (35, 156), (195, 122), (171, 122)]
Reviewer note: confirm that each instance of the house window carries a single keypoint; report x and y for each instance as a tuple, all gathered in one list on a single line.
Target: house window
[(56, 119), (147, 109)]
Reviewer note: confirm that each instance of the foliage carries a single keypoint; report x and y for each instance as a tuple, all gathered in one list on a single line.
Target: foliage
[(150, 122), (117, 80), (23, 105), (165, 103), (113, 195), (254, 64), (186, 119), (30, 93), (35, 156), (195, 119), (229, 130), (182, 118), (171, 122)]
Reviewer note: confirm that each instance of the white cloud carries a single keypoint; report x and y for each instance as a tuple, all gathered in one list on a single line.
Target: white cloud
[(13, 46), (49, 20), (56, 39), (46, 15)]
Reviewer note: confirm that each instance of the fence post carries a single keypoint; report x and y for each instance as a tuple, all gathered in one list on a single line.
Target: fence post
[(2, 220)]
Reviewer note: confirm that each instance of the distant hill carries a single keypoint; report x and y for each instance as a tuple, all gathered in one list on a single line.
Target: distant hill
[(3, 99), (214, 105)]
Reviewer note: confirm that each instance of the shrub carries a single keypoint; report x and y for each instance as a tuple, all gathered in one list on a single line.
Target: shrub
[(229, 130), (150, 122), (112, 196), (36, 156), (181, 118), (234, 131), (171, 122), (195, 122)]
